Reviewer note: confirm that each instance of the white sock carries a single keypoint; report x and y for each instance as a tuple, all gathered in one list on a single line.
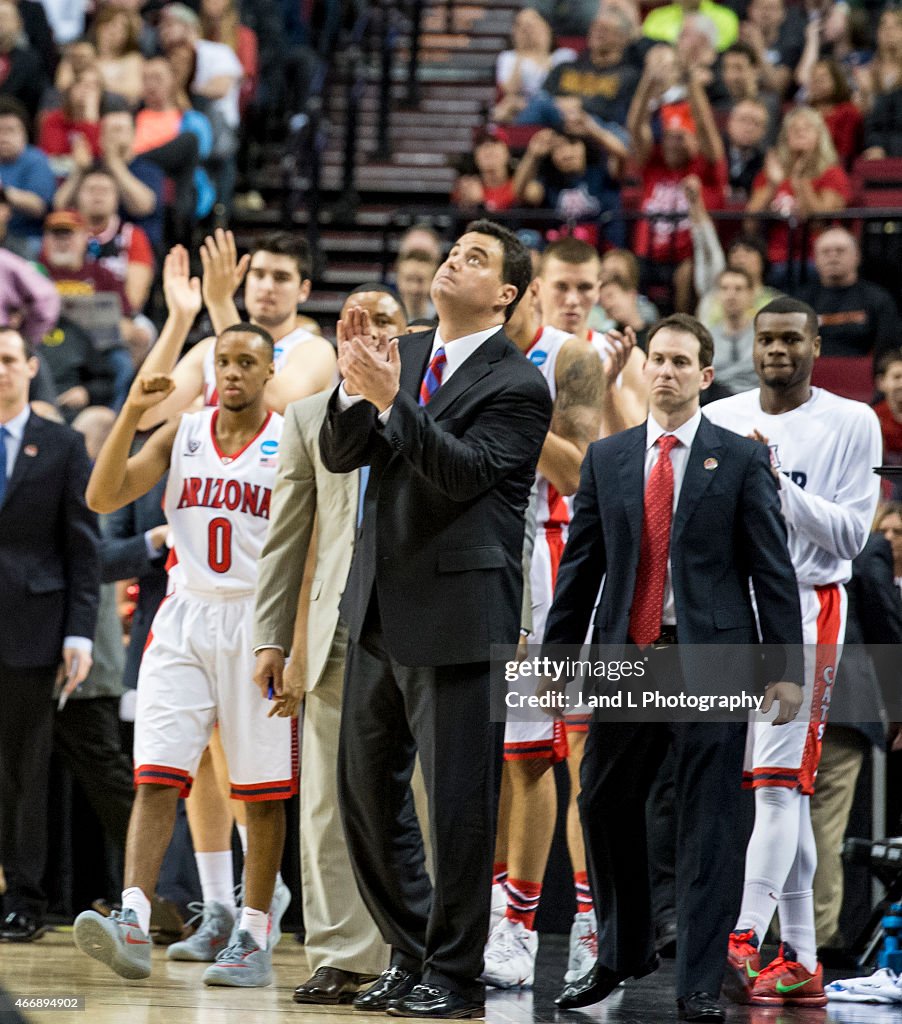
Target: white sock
[(256, 923), (797, 926), (134, 899), (242, 835), (797, 901), (217, 880), (769, 857)]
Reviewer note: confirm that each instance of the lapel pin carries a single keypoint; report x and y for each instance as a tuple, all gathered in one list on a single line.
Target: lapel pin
[(710, 463), (30, 450)]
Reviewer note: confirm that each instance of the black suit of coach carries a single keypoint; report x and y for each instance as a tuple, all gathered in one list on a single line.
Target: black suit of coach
[(726, 527), (49, 592), (435, 581)]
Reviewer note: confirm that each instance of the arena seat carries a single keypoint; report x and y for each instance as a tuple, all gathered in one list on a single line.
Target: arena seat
[(849, 376)]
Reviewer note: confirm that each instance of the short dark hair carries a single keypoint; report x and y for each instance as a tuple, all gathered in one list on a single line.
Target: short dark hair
[(743, 50), (516, 267), (753, 242), (380, 286), (787, 304), (247, 328), (10, 107), (687, 324), (27, 346), (286, 243)]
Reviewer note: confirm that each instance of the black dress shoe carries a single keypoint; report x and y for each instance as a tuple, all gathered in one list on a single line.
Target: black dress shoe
[(599, 983), (665, 940), (21, 928), (330, 986), (393, 983), (700, 1006), (437, 1002)]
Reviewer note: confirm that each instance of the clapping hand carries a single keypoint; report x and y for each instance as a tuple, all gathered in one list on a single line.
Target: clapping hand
[(368, 362), (620, 347)]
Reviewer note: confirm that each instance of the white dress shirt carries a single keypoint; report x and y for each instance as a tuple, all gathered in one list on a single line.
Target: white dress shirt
[(679, 458), (16, 428)]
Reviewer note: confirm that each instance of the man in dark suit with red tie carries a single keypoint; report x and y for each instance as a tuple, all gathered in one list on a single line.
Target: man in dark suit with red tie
[(674, 516), (451, 424), (49, 592)]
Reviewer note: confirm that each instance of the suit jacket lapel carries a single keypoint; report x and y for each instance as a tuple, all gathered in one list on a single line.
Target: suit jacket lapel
[(416, 352), (704, 449), (465, 376), (25, 461), (632, 479)]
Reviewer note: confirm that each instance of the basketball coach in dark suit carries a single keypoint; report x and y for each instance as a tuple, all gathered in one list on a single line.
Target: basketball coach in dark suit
[(451, 424), (675, 516), (49, 592)]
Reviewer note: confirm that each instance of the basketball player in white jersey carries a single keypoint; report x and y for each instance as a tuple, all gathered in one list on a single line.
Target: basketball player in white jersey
[(197, 670), (276, 277), (277, 281), (823, 449), (576, 376)]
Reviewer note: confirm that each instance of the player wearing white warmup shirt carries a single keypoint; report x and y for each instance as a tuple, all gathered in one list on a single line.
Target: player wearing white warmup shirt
[(197, 670), (574, 368), (276, 277), (823, 450)]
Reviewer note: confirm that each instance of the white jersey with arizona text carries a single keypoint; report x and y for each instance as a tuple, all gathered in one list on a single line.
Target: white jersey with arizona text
[(826, 451), (218, 505), (282, 350)]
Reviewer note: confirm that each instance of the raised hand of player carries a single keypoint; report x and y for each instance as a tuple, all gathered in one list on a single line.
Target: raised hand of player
[(788, 696), (182, 291), (148, 390), (223, 271), (620, 347)]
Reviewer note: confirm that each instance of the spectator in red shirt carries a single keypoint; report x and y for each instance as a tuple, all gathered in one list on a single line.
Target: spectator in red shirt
[(802, 178), (119, 246), (689, 145), (830, 95), (79, 114), (489, 183)]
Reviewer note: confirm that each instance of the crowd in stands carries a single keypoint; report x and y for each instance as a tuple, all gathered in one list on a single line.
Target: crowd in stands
[(716, 142), (120, 122)]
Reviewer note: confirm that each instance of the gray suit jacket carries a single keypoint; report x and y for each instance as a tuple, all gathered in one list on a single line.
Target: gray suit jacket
[(306, 491)]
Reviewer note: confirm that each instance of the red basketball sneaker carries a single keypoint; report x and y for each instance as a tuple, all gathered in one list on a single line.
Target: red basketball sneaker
[(743, 965), (785, 982)]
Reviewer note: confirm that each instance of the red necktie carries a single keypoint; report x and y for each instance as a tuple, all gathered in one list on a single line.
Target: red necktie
[(648, 598), (433, 379)]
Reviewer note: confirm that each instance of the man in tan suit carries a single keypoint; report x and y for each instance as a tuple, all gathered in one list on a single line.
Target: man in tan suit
[(343, 945)]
